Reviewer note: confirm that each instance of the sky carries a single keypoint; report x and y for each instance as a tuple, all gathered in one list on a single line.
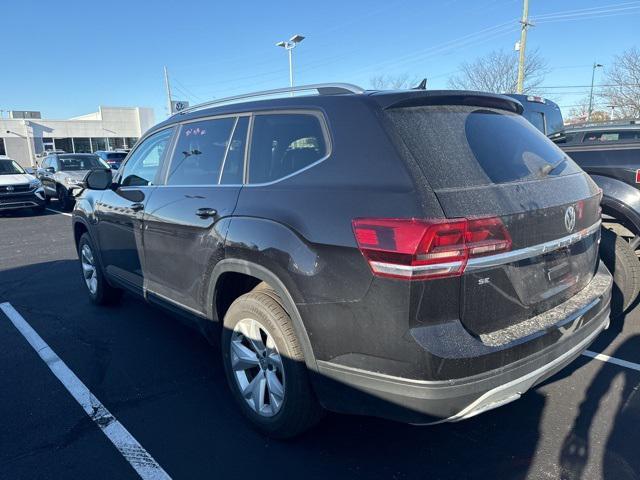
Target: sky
[(65, 58)]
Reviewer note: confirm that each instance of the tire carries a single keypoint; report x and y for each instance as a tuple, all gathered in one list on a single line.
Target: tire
[(65, 198), (102, 293), (299, 409), (623, 264)]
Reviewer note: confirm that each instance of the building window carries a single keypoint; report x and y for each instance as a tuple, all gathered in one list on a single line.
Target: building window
[(3, 151), (82, 145), (129, 142), (115, 143), (64, 144), (98, 144)]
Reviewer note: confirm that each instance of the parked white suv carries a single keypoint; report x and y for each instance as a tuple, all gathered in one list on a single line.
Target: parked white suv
[(18, 189)]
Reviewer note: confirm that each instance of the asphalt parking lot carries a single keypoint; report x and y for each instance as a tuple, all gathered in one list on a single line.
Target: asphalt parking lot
[(164, 383)]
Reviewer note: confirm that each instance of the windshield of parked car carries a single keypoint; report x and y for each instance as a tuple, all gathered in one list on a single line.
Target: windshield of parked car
[(118, 156), (70, 163), (9, 167)]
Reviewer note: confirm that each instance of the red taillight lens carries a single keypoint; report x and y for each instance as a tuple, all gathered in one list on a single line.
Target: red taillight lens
[(422, 249)]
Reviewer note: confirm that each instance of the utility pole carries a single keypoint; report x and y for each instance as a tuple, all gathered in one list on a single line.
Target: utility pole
[(523, 45), (593, 77), (168, 87)]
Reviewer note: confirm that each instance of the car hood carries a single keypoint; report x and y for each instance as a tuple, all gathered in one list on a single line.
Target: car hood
[(16, 179), (76, 174)]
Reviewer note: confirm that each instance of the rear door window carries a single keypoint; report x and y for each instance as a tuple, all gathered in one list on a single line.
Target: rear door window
[(199, 152), (463, 146), (283, 144)]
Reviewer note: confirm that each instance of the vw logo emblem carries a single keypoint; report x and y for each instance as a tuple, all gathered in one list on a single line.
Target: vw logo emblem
[(570, 219), (10, 188)]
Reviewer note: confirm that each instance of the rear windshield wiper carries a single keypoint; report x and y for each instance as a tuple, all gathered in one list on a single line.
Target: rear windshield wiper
[(550, 167)]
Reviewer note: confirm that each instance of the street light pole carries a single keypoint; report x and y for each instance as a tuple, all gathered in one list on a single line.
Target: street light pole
[(593, 77), (289, 45)]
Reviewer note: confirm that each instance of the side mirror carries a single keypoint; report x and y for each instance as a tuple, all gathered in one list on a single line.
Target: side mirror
[(98, 180)]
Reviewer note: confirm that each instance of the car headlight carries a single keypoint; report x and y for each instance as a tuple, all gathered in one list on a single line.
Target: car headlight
[(72, 181), (35, 184)]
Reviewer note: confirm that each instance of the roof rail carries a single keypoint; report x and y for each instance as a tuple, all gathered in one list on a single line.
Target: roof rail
[(321, 88)]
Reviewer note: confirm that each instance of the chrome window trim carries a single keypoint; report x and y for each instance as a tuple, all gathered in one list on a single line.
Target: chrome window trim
[(490, 261)]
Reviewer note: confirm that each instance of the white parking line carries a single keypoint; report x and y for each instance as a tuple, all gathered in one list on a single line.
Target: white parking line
[(616, 361), (131, 450), (58, 211)]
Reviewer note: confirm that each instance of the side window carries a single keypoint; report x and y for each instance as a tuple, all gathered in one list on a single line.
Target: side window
[(200, 151), (142, 166), (283, 144), (44, 164), (233, 164), (537, 119)]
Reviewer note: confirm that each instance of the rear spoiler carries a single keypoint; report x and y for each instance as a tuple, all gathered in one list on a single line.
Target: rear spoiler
[(417, 98)]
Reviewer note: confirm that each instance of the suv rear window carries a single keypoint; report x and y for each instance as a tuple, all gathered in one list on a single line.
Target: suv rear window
[(463, 146)]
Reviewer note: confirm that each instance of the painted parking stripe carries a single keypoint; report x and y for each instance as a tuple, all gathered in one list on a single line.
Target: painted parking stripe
[(616, 361), (58, 211), (131, 450)]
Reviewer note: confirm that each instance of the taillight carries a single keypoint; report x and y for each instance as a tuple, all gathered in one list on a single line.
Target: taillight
[(424, 249), (638, 176)]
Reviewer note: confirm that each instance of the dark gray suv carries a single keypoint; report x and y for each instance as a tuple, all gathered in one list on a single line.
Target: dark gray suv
[(423, 256), (61, 175)]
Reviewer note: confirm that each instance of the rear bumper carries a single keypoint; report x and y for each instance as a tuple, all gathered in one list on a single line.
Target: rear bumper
[(356, 391)]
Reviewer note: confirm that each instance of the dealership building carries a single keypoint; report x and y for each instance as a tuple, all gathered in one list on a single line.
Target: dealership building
[(25, 135)]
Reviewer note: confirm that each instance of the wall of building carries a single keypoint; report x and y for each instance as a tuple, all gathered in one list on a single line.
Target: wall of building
[(21, 136)]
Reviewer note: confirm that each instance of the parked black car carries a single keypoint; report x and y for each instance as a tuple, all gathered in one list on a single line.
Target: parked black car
[(62, 175), (112, 157), (423, 256)]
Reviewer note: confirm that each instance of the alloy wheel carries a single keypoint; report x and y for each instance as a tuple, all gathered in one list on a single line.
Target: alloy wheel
[(257, 367), (89, 269)]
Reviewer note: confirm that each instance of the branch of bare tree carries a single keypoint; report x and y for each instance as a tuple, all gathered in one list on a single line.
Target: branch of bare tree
[(498, 72)]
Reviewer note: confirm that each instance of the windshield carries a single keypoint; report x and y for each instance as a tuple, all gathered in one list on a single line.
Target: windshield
[(9, 167), (116, 156), (70, 163), (464, 146)]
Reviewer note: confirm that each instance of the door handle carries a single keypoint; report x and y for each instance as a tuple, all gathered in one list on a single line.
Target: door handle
[(136, 207), (206, 212)]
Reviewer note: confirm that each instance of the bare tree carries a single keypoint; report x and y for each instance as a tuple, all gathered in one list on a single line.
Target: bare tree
[(497, 72), (580, 112), (393, 82), (624, 76)]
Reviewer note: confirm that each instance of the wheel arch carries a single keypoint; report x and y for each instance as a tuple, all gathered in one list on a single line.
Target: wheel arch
[(621, 201), (262, 274)]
